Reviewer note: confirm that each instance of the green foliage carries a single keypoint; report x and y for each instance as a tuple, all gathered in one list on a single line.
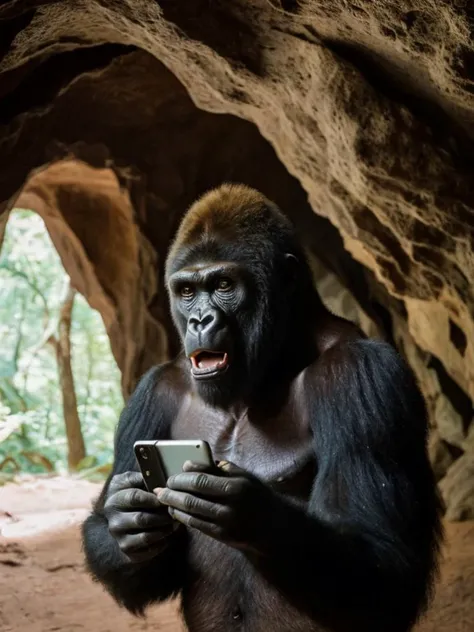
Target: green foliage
[(96, 473), (32, 285)]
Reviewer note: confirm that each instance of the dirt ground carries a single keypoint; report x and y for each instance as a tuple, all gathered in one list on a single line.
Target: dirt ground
[(43, 587)]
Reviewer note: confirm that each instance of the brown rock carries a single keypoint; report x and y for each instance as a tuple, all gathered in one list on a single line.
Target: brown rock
[(468, 445), (448, 422), (458, 490), (440, 456)]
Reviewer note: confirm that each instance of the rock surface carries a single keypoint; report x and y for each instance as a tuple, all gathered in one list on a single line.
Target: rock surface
[(440, 456), (457, 489), (356, 117)]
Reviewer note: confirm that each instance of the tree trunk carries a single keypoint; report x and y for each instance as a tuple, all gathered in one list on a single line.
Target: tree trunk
[(75, 440)]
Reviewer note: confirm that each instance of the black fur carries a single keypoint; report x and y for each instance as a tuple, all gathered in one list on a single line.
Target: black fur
[(369, 547)]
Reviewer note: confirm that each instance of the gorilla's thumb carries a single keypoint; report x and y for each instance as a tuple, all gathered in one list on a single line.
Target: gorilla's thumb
[(231, 469)]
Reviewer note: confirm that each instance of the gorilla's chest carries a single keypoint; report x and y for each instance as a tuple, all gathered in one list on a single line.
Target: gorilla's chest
[(276, 448)]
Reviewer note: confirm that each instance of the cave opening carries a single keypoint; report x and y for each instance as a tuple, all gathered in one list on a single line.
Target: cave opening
[(60, 392)]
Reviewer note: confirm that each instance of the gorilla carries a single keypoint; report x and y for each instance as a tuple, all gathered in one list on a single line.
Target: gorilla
[(321, 512)]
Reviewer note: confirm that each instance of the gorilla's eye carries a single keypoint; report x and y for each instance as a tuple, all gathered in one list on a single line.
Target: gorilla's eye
[(224, 285), (186, 291)]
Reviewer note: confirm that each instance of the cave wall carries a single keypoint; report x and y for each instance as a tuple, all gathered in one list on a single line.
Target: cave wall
[(356, 117)]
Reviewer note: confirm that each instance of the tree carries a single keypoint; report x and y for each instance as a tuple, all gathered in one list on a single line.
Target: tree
[(61, 342)]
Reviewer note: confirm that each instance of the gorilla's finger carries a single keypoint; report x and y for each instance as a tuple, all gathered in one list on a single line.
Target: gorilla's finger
[(231, 469), (132, 544), (194, 466), (195, 506), (140, 521), (208, 528), (126, 480), (203, 484), (220, 467), (131, 500)]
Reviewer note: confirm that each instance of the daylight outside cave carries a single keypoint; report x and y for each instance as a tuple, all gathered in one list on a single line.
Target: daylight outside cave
[(60, 386), (355, 118)]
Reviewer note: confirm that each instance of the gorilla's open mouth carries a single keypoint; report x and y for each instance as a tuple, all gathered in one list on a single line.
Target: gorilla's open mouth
[(207, 364)]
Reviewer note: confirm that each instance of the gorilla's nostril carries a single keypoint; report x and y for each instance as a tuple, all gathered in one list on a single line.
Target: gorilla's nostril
[(207, 320)]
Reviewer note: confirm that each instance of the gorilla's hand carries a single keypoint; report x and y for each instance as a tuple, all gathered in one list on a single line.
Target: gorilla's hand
[(225, 503), (136, 518)]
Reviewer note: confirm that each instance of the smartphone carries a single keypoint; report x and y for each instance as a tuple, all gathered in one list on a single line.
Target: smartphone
[(158, 460)]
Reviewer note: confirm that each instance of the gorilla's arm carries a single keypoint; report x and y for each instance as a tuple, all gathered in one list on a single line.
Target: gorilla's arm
[(365, 549), (147, 415)]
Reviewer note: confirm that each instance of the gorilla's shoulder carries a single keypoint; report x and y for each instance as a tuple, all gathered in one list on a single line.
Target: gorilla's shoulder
[(171, 376)]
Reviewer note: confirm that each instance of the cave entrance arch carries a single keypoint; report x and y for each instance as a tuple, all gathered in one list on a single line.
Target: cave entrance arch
[(91, 224)]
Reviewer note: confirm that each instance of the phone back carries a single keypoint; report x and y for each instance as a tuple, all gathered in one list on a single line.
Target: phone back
[(149, 462), (173, 454)]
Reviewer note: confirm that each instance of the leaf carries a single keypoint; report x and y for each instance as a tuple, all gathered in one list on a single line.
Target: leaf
[(86, 463), (11, 395), (38, 459), (9, 460)]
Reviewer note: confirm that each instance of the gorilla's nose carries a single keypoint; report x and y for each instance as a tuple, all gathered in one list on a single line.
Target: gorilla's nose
[(201, 324)]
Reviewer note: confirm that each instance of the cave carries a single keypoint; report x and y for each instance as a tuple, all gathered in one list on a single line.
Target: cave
[(348, 115)]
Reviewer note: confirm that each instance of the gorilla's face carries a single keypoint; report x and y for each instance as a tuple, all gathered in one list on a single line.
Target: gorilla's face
[(241, 295), (209, 302)]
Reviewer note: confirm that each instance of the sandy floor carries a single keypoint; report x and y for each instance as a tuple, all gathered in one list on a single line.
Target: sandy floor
[(44, 589)]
